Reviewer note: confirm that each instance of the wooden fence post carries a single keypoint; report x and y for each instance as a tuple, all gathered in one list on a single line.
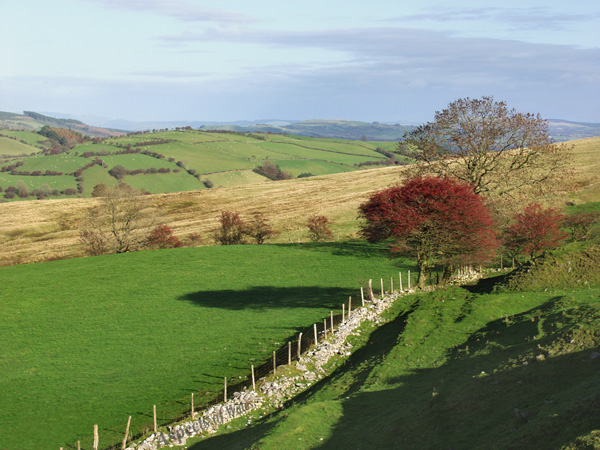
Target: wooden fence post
[(349, 306), (193, 412), (325, 328), (96, 440), (289, 353), (154, 416), (343, 312), (391, 285), (315, 330), (253, 382), (124, 444), (299, 345), (78, 445), (362, 296), (225, 389), (409, 280), (400, 279), (274, 363), (331, 319), (371, 295)]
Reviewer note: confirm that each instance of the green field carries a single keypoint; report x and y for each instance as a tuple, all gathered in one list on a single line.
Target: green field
[(90, 341), (224, 158), (459, 368)]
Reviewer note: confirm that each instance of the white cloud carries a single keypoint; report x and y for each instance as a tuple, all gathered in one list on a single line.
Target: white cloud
[(178, 9)]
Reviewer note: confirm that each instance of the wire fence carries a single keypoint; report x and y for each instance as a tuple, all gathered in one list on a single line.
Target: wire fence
[(143, 423)]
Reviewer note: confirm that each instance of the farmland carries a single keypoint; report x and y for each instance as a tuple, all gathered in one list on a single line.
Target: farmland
[(191, 157), (95, 339)]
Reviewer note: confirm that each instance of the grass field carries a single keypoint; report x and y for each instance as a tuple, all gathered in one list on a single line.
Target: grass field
[(92, 340), (216, 155), (452, 369)]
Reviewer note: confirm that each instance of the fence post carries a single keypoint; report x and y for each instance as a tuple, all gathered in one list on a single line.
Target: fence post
[(331, 318), (225, 389), (154, 416), (325, 328), (349, 306), (409, 280), (78, 445), (400, 279), (362, 296), (289, 353), (343, 312), (124, 444), (253, 382), (96, 440), (299, 345), (391, 285), (274, 363), (315, 330), (193, 413), (382, 291)]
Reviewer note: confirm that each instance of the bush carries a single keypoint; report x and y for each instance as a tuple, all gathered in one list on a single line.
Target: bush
[(162, 237), (317, 228), (259, 229), (232, 229)]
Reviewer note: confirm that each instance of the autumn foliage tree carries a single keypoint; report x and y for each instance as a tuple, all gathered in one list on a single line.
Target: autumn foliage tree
[(259, 229), (534, 231), (231, 230), (162, 236), (498, 150), (434, 219), (317, 228)]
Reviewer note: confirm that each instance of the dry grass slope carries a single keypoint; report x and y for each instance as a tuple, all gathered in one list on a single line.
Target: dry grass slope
[(43, 230)]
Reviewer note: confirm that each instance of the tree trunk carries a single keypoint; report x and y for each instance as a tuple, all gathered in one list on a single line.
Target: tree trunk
[(423, 266)]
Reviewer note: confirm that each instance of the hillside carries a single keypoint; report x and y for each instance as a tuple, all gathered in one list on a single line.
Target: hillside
[(32, 121), (458, 368), (341, 129), (176, 160), (41, 230)]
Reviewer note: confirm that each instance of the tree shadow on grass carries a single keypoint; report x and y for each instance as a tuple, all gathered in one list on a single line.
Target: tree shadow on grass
[(271, 297)]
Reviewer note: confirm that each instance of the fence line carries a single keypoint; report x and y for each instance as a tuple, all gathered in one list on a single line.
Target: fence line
[(177, 410)]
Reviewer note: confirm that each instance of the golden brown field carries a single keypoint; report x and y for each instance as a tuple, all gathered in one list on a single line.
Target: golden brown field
[(34, 231)]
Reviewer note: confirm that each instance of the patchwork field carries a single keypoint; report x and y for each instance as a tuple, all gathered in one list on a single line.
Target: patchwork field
[(92, 340), (192, 157)]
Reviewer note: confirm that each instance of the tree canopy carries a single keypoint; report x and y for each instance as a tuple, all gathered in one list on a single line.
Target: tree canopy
[(498, 150), (432, 218)]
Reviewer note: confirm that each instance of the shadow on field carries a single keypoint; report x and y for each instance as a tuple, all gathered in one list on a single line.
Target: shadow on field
[(492, 392), (270, 297), (358, 249)]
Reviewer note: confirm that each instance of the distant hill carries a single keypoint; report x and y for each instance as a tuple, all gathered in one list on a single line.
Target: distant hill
[(339, 129), (32, 121), (564, 130)]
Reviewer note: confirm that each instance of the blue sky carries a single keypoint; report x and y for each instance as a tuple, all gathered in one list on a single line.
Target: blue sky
[(379, 60)]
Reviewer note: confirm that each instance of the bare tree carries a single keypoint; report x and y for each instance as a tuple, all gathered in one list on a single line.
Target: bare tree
[(120, 222), (500, 151)]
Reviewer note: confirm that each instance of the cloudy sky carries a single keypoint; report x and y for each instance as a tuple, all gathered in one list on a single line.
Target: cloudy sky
[(378, 60)]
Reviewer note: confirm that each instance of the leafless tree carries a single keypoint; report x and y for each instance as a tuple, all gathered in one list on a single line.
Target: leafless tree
[(500, 151), (119, 223)]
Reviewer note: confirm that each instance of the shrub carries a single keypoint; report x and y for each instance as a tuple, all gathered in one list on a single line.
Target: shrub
[(162, 237), (580, 224), (209, 184), (232, 229), (317, 228), (259, 229)]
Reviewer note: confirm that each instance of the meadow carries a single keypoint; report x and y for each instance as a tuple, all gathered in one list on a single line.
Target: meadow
[(459, 368), (90, 341), (201, 156)]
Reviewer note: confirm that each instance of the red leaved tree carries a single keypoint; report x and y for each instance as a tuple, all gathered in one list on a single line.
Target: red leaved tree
[(162, 236), (317, 228), (434, 219), (232, 229), (259, 229), (534, 231)]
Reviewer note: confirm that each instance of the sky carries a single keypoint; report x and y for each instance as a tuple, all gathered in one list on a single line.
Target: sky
[(380, 60)]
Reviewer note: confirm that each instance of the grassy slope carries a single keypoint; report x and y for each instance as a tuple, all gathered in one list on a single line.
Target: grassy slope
[(25, 226), (93, 340), (453, 373)]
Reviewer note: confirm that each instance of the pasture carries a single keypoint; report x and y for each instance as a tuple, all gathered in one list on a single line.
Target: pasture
[(90, 341)]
